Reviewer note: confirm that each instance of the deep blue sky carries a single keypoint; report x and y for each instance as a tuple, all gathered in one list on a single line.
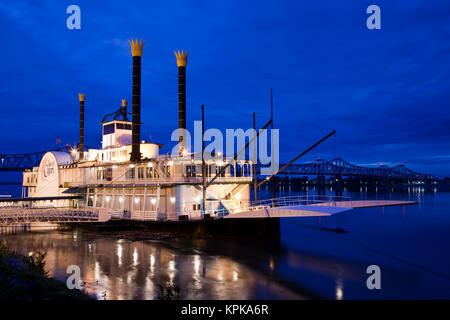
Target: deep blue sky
[(385, 92)]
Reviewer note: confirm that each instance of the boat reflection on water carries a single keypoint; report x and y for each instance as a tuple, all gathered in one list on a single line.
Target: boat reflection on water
[(123, 269)]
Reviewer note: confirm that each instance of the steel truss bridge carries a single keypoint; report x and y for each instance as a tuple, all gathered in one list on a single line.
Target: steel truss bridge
[(340, 167), (20, 162)]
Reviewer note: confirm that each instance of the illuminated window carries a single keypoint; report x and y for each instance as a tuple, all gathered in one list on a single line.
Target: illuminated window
[(218, 169), (190, 171), (141, 173), (149, 172), (108, 129), (130, 173)]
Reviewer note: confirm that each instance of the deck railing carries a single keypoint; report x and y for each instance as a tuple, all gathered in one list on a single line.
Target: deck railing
[(229, 207), (28, 215), (159, 181), (303, 200), (226, 207)]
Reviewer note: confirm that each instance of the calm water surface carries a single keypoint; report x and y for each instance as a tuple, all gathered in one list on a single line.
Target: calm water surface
[(410, 244)]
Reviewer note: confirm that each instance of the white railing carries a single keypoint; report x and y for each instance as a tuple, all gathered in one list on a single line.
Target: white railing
[(28, 215), (52, 214), (289, 201), (161, 181), (305, 200), (143, 215)]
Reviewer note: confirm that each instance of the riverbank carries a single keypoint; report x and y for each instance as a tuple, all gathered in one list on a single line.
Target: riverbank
[(24, 278)]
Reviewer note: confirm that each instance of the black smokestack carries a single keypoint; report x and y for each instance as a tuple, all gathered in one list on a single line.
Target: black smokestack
[(181, 62), (81, 96), (182, 97), (136, 51), (124, 109)]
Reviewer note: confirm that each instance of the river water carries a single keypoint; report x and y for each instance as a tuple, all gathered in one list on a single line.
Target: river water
[(410, 244)]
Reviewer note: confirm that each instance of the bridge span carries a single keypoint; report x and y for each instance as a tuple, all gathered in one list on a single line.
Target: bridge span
[(337, 166)]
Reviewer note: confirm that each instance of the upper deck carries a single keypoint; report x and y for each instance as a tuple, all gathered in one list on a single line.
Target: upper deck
[(164, 171)]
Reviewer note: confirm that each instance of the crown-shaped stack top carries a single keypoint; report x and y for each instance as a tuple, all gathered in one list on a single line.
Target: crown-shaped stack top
[(81, 96), (136, 47), (124, 102), (181, 58)]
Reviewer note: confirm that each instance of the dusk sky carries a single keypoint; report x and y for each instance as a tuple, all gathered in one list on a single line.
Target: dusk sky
[(385, 92)]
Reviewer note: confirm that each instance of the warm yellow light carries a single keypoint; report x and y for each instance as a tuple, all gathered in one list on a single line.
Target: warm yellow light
[(152, 260), (181, 58), (136, 47), (153, 201), (339, 293), (172, 199)]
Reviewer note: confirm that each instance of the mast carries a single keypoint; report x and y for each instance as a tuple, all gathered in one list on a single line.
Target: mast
[(271, 144), (255, 177), (203, 161)]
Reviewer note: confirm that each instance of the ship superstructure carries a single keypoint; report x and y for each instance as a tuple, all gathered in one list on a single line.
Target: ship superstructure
[(129, 176)]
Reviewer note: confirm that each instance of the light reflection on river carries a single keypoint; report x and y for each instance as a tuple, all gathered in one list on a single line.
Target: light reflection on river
[(133, 270)]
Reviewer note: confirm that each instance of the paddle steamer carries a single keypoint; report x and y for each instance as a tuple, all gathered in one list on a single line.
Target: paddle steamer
[(130, 177)]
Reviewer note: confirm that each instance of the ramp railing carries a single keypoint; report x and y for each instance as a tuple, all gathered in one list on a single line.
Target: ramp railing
[(57, 215)]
